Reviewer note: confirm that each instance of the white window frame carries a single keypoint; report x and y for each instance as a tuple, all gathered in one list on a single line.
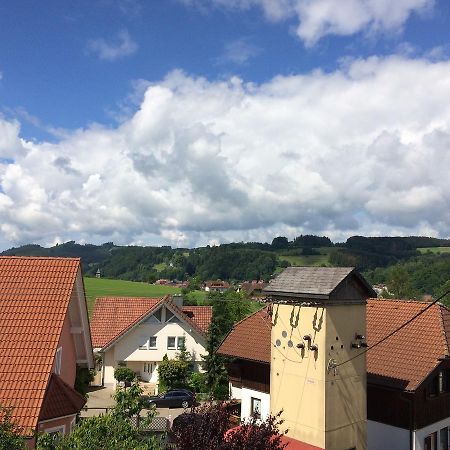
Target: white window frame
[(178, 341), (174, 343), (144, 340), (58, 361), (72, 424), (152, 347), (55, 431)]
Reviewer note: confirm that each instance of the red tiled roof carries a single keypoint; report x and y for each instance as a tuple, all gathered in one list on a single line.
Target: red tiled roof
[(413, 352), (60, 400), (201, 315), (250, 338), (113, 316), (34, 298), (293, 444), (407, 357)]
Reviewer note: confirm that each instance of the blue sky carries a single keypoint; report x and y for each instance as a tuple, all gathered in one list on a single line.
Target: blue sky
[(141, 86)]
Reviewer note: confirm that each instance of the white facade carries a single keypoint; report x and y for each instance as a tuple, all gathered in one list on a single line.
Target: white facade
[(143, 347), (382, 436), (421, 434), (251, 399)]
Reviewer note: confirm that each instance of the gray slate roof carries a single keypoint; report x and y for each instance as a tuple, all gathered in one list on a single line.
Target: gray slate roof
[(320, 281)]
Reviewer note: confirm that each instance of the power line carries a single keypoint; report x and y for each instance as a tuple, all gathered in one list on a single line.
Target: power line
[(370, 347)]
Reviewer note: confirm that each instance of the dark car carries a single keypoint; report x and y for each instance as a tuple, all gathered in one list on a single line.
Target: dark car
[(176, 398)]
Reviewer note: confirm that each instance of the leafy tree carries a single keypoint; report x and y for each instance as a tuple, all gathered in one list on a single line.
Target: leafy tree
[(10, 434), (84, 376), (206, 428), (441, 291), (173, 374), (399, 283), (280, 242), (124, 374), (111, 431)]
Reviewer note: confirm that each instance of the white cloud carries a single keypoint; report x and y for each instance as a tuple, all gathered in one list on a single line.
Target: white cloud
[(118, 47), (319, 18), (362, 150), (238, 52)]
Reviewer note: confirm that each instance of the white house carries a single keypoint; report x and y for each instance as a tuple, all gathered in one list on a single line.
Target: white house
[(138, 332)]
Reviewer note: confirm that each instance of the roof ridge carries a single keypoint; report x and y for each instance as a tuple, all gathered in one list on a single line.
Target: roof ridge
[(64, 258), (168, 301), (404, 300), (135, 322)]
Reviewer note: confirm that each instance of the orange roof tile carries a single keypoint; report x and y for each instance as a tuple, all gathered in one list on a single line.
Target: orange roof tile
[(406, 358), (200, 315), (60, 400), (250, 338), (114, 316), (34, 298), (413, 352)]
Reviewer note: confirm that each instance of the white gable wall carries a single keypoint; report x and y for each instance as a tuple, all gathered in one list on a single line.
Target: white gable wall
[(127, 348)]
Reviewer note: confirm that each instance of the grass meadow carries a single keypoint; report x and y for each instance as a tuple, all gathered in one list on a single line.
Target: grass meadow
[(102, 287)]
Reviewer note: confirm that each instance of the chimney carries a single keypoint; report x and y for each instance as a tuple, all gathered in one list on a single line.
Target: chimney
[(177, 300)]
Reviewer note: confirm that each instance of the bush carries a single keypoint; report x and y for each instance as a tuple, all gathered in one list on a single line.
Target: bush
[(173, 374), (124, 374), (197, 382)]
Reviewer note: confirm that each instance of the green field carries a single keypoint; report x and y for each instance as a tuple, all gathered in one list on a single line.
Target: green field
[(102, 287), (308, 260), (434, 250)]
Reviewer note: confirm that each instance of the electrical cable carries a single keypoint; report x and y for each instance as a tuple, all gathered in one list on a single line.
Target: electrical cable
[(370, 347)]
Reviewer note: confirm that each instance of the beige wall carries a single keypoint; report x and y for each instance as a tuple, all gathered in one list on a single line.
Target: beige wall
[(127, 348), (324, 409)]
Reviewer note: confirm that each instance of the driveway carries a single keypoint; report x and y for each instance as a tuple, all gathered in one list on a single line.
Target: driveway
[(100, 400)]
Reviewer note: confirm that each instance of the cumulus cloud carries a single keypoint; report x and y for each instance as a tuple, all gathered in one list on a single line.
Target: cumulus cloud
[(319, 18), (113, 49), (361, 150)]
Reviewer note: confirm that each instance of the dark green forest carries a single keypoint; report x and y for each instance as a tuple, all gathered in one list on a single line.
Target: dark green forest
[(395, 261)]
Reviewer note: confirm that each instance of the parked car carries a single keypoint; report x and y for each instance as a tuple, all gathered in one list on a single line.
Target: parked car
[(176, 398)]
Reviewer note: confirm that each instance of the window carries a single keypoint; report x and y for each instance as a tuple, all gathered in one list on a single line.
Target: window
[(255, 408), (181, 341), (148, 367), (171, 342), (58, 361), (143, 343), (146, 343), (56, 432), (443, 439), (431, 442), (72, 424)]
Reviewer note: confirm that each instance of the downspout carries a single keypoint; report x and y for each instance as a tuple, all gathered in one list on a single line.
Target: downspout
[(412, 440)]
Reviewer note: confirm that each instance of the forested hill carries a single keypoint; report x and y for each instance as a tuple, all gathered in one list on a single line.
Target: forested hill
[(236, 261)]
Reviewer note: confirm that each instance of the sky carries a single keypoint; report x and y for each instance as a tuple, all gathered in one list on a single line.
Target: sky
[(195, 122)]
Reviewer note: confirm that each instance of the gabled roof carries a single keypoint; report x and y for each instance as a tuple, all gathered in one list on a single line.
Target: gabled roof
[(409, 356), (60, 400), (34, 299), (314, 282), (250, 338), (403, 361), (200, 315), (114, 317)]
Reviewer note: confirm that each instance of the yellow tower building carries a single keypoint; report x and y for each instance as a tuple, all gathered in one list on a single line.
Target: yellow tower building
[(319, 323)]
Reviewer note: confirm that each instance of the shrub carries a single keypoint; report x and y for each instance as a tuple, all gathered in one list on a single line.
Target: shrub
[(124, 374)]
